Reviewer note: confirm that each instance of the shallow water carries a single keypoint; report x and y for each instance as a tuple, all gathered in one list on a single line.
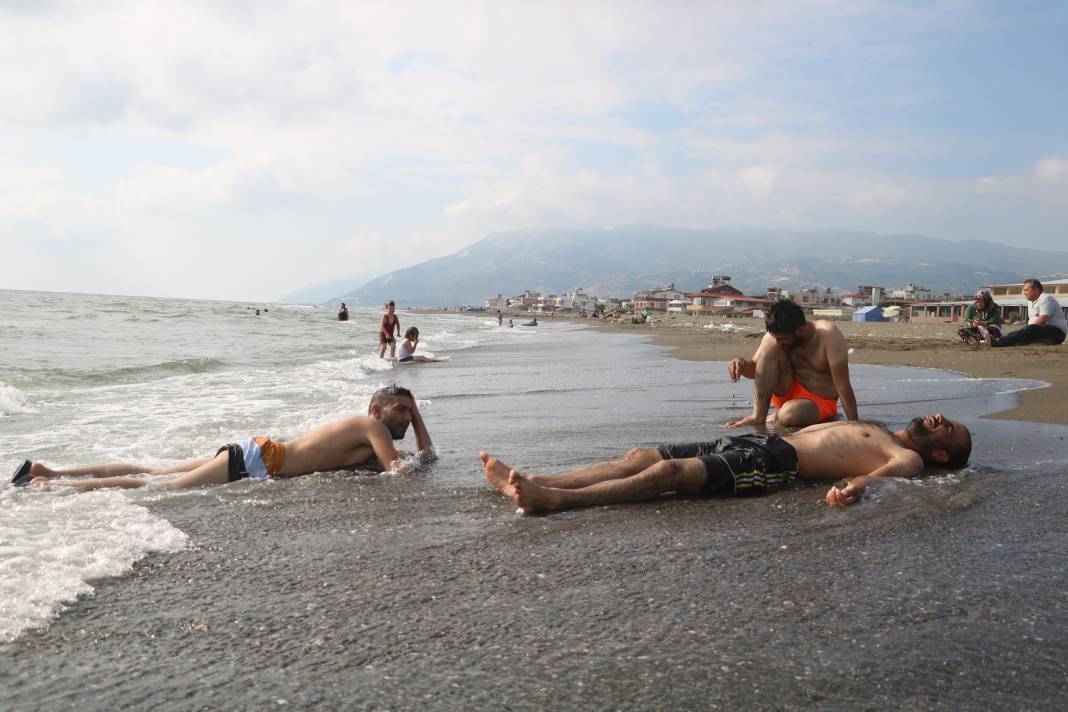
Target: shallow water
[(428, 592)]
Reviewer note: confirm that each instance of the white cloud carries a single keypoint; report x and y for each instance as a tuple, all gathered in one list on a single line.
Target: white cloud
[(352, 136)]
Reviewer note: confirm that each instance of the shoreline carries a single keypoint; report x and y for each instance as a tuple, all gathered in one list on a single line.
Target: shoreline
[(927, 345)]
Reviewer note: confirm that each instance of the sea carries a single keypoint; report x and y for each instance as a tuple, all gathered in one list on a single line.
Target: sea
[(369, 590)]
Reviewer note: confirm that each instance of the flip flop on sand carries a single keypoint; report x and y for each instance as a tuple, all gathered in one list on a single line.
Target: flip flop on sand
[(22, 475)]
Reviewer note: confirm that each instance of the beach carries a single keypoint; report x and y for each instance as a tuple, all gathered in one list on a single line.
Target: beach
[(351, 590), (925, 345)]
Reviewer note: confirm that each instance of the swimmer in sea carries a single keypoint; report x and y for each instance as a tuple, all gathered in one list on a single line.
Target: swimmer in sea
[(406, 352), (752, 463), (359, 440)]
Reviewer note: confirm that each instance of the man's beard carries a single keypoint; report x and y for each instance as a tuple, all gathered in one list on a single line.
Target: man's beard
[(396, 429), (917, 429)]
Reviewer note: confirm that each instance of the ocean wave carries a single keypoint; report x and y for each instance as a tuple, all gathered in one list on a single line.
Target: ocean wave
[(13, 401), (58, 544), (77, 377)]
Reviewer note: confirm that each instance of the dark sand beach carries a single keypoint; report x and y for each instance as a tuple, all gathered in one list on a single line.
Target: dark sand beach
[(888, 344), (428, 592)]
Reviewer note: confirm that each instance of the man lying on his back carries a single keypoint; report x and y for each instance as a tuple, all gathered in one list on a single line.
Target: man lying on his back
[(747, 464)]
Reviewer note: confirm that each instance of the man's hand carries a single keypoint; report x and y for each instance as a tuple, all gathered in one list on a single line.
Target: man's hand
[(843, 496), (748, 420), (737, 368)]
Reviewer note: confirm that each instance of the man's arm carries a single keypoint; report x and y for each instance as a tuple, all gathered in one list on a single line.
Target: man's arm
[(764, 379), (381, 441), (422, 435), (838, 360), (1040, 319), (900, 464)]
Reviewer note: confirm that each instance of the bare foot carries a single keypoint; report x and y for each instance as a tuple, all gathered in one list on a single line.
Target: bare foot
[(496, 473), (530, 496)]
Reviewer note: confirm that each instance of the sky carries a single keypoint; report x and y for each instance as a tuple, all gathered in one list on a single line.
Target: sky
[(245, 150)]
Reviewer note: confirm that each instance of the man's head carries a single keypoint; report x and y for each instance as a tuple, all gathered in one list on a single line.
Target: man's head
[(1032, 289), (783, 321), (940, 441), (393, 406)]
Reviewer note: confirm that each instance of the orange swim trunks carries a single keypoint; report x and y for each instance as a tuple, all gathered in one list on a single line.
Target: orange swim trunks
[(828, 407), (273, 454)]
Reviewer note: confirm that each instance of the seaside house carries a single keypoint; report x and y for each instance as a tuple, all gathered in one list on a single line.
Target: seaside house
[(912, 292), (498, 302), (811, 298), (703, 302), (656, 300)]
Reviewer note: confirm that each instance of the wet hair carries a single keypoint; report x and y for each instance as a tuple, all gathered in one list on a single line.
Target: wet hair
[(1034, 283), (390, 302), (411, 333), (957, 455), (784, 317), (384, 395)]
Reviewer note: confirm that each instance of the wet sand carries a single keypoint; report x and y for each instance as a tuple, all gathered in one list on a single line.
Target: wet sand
[(428, 592), (887, 344)]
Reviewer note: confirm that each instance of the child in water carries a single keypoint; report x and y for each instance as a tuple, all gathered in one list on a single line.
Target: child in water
[(407, 349)]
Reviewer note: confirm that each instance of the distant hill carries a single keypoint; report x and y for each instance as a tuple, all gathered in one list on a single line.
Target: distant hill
[(620, 261)]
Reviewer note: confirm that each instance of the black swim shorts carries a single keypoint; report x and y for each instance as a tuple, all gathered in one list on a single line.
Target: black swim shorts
[(752, 463), (236, 463)]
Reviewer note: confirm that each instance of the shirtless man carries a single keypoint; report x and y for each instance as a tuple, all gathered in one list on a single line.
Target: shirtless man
[(801, 368), (747, 464), (340, 444)]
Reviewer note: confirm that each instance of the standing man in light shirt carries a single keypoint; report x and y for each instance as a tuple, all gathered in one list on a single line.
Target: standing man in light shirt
[(1045, 319)]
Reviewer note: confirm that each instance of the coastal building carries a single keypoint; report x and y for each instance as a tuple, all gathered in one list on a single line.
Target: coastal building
[(498, 302), (811, 298), (912, 292), (703, 302), (525, 300), (656, 300)]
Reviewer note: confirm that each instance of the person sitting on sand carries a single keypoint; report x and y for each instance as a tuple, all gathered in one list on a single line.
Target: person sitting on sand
[(801, 367), (406, 351), (341, 444), (753, 463), (1045, 319), (982, 320)]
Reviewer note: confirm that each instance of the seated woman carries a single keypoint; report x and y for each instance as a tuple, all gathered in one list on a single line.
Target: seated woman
[(406, 351), (982, 320)]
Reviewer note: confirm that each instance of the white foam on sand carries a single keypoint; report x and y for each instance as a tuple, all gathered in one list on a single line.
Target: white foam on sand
[(52, 544)]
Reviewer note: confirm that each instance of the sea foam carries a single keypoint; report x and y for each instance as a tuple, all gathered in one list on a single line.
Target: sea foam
[(53, 544)]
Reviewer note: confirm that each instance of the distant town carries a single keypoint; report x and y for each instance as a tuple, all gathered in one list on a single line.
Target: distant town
[(867, 303)]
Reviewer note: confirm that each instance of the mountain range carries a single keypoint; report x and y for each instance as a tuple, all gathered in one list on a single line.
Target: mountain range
[(622, 260)]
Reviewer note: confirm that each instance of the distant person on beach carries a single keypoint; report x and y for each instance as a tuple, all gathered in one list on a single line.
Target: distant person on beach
[(406, 353), (500, 317), (801, 367), (982, 320), (753, 463), (510, 324), (1045, 319), (343, 313), (360, 440), (388, 331)]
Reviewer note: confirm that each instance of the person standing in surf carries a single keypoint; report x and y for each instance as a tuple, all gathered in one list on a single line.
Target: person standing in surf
[(388, 331)]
